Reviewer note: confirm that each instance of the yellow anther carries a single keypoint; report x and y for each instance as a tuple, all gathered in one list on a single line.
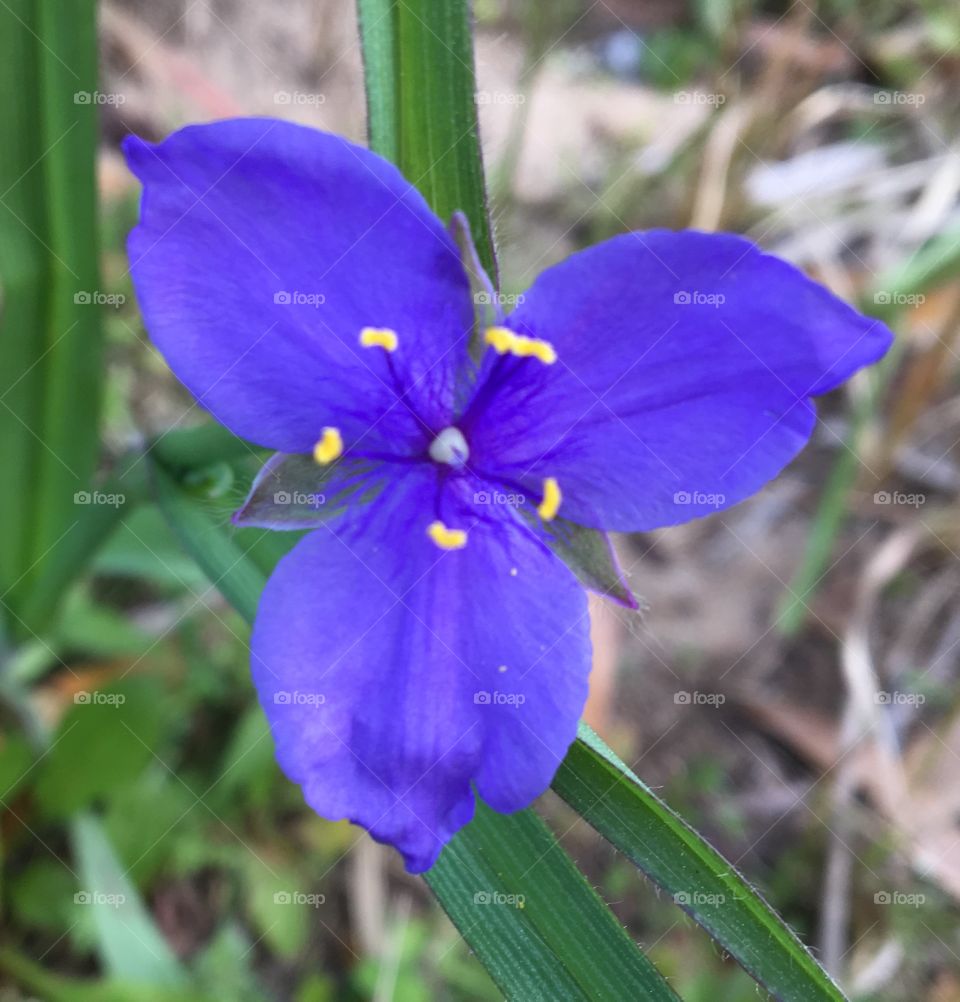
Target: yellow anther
[(500, 339), (504, 341), (329, 447), (550, 505), (379, 337), (447, 539), (534, 347)]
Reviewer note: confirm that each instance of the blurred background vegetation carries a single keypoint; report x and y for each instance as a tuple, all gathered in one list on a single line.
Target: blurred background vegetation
[(791, 686)]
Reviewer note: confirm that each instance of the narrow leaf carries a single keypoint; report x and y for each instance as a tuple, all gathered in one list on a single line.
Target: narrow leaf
[(421, 106), (228, 566), (532, 918), (600, 787), (96, 514), (131, 948), (23, 273), (72, 369), (50, 338), (57, 988)]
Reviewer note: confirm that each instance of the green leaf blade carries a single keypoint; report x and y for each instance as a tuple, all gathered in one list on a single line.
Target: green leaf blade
[(130, 945), (50, 344), (601, 788), (532, 918), (421, 106), (72, 354), (23, 274)]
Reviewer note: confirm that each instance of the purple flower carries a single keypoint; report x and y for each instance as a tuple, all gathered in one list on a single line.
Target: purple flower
[(426, 643)]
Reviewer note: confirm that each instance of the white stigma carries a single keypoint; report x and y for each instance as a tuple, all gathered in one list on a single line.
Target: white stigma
[(450, 447)]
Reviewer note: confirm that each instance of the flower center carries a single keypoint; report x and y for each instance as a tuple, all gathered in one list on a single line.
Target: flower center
[(450, 447)]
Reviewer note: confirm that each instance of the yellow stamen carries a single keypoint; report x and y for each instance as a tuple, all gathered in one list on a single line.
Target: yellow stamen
[(534, 347), (447, 539), (329, 447), (504, 341), (550, 505), (379, 337), (500, 339)]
